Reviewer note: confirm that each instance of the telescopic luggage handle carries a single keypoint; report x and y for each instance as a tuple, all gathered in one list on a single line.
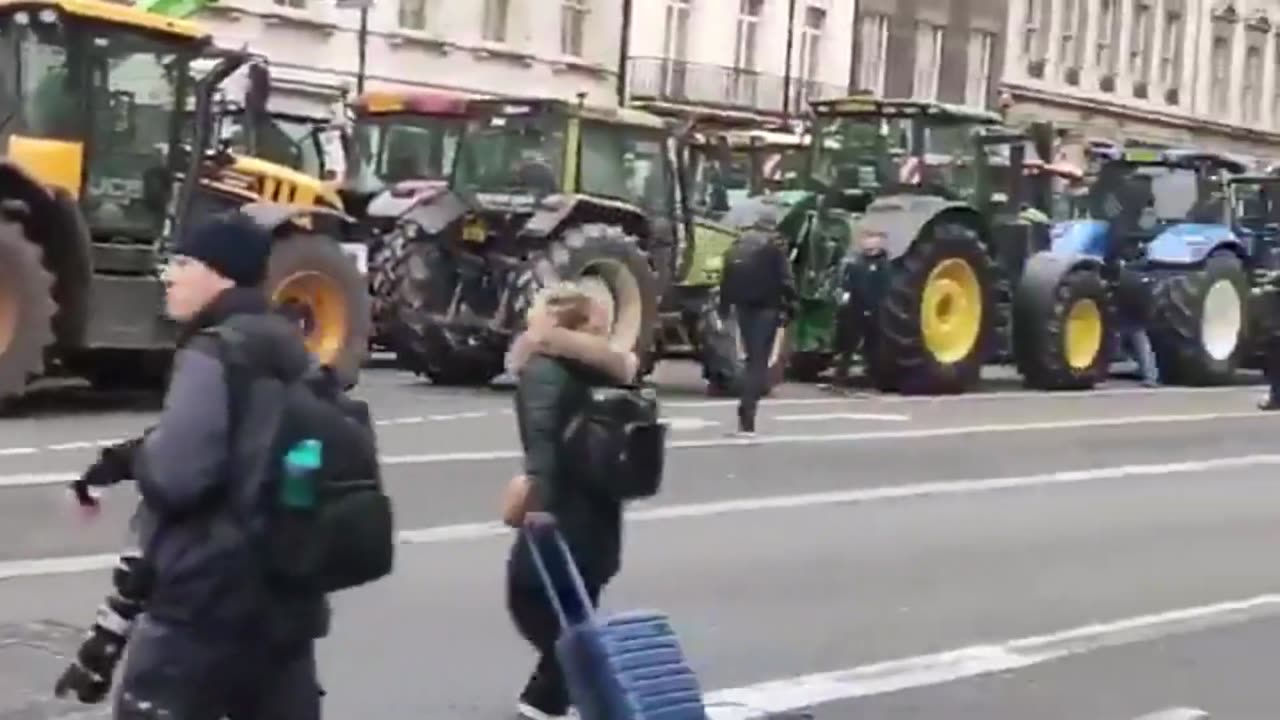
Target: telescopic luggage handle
[(547, 546)]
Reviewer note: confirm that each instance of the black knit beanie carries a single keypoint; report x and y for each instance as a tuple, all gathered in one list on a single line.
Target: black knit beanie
[(232, 245)]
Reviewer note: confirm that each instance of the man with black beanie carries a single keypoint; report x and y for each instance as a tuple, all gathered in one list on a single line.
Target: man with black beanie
[(207, 638)]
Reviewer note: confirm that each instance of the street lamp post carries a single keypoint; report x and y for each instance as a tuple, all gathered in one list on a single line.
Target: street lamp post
[(786, 78), (362, 36)]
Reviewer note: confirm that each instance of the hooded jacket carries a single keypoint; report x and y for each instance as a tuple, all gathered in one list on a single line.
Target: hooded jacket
[(556, 371), (193, 516)]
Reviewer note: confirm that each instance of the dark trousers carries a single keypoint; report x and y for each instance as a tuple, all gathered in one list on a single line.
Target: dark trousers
[(855, 330), (757, 326), (172, 674), (1271, 365), (538, 623)]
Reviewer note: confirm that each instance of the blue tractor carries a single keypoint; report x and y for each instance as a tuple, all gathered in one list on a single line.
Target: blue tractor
[(1165, 216)]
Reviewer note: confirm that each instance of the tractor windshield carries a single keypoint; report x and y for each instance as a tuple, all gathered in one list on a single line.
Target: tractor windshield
[(137, 112), (627, 164), (511, 155), (1256, 204), (293, 142), (393, 148), (38, 98), (857, 152), (1156, 194)]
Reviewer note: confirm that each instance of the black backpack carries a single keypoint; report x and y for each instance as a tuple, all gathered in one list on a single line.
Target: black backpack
[(750, 272), (619, 442), (341, 535)]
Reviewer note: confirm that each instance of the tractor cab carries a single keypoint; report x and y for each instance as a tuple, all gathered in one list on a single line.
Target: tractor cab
[(1139, 196), (1254, 208), (400, 150), (94, 103)]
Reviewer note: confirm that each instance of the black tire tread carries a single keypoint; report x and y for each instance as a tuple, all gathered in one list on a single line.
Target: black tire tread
[(24, 270), (1175, 327), (1041, 359)]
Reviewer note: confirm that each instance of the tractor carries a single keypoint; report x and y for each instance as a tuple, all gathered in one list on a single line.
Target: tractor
[(1255, 217), (1164, 215), (886, 176), (103, 168), (399, 154), (541, 191)]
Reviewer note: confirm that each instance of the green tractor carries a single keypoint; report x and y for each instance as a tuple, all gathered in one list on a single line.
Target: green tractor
[(541, 191), (942, 204)]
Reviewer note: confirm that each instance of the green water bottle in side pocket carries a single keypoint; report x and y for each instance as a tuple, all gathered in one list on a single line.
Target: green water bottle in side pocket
[(298, 488)]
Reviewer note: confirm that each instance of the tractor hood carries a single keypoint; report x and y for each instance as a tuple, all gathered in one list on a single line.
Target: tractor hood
[(1079, 237), (397, 199)]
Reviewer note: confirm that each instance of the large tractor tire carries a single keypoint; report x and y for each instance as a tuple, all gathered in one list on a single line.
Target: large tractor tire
[(387, 272), (724, 359), (313, 281), (1062, 341), (936, 317), (1200, 321), (424, 285), (606, 259), (26, 310)]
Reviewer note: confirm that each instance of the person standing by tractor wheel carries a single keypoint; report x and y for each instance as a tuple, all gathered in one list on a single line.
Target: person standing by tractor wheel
[(759, 289), (863, 284), (1133, 300)]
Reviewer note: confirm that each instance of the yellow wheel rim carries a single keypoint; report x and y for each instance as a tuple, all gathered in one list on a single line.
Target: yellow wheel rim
[(1082, 334), (318, 302), (951, 310)]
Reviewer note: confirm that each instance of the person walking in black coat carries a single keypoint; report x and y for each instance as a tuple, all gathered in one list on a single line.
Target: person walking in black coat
[(562, 355), (759, 289)]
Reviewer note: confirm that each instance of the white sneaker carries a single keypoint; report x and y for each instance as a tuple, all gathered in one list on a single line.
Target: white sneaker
[(529, 712)]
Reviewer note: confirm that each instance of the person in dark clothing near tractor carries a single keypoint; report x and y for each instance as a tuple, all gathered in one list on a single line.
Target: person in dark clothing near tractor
[(207, 639), (558, 359), (1133, 304), (759, 289), (863, 283)]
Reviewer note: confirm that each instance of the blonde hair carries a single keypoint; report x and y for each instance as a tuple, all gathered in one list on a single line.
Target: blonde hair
[(567, 303)]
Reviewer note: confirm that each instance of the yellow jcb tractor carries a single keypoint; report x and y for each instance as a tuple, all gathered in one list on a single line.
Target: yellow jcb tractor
[(102, 165)]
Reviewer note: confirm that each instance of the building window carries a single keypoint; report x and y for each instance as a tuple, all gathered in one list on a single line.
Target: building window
[(1171, 50), (495, 20), (873, 52), (675, 47), (1140, 42), (1275, 91), (1069, 42), (1108, 33), (1031, 29), (744, 54), (573, 27), (1251, 89), (924, 84), (413, 14), (294, 4), (1220, 61), (978, 83), (811, 44)]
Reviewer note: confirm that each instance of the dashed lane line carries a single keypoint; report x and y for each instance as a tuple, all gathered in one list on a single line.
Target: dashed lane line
[(656, 512)]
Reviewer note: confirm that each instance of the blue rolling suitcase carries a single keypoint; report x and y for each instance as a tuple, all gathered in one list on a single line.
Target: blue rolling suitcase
[(626, 667)]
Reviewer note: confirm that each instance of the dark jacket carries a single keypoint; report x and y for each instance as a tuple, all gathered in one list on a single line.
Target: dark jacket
[(762, 277), (556, 375), (193, 519)]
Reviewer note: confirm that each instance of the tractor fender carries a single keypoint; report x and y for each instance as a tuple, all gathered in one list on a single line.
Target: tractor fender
[(898, 220), (51, 218), (560, 211), (1041, 276), (1192, 243), (402, 197), (433, 218), (276, 218), (1079, 237)]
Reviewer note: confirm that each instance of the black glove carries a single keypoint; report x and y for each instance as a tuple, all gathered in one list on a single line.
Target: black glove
[(89, 677), (114, 465)]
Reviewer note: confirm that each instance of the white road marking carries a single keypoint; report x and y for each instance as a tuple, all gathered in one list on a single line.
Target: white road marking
[(818, 417), (33, 479), (1177, 713), (650, 513), (690, 423), (806, 691)]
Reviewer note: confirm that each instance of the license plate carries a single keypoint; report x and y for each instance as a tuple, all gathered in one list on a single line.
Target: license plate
[(359, 254), (473, 232)]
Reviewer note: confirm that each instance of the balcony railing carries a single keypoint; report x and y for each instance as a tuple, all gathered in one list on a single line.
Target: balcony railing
[(718, 86)]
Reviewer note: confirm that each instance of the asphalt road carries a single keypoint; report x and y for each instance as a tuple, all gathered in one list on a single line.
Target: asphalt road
[(1004, 554)]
